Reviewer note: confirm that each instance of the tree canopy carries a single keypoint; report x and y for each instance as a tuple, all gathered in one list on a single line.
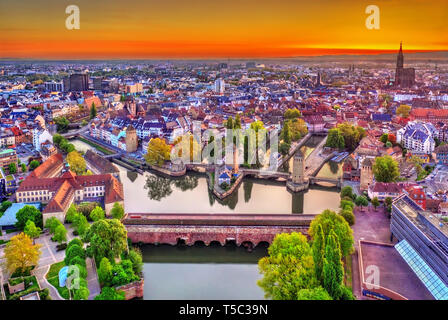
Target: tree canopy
[(158, 152), (76, 162), (21, 253), (28, 213), (385, 169)]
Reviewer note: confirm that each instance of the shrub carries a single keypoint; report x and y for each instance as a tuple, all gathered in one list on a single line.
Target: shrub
[(78, 261), (75, 241), (135, 257), (74, 251), (61, 247), (348, 216), (44, 294)]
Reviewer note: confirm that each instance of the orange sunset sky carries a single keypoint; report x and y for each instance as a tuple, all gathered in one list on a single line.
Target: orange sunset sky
[(217, 29)]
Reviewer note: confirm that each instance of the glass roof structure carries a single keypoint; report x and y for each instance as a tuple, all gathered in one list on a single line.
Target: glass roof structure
[(429, 278)]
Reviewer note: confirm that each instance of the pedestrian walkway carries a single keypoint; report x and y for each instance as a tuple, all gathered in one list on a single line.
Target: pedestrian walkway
[(92, 279)]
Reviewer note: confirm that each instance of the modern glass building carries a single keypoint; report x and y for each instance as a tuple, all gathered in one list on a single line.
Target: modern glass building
[(423, 243)]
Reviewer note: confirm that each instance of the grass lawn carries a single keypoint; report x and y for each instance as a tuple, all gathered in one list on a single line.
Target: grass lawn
[(53, 278), (96, 146)]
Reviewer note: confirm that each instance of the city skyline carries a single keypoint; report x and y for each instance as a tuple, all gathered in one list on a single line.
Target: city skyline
[(207, 30)]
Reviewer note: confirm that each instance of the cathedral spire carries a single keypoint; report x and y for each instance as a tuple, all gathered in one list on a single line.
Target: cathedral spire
[(400, 58)]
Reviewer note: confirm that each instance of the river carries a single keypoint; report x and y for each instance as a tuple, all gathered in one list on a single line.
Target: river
[(212, 272)]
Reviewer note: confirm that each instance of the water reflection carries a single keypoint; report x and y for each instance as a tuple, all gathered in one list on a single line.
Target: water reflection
[(247, 186), (297, 202), (160, 187)]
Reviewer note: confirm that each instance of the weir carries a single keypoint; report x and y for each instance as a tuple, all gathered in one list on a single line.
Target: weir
[(244, 229)]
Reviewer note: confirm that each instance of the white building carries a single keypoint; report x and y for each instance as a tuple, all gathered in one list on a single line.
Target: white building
[(54, 86), (418, 137), (219, 86), (40, 136)]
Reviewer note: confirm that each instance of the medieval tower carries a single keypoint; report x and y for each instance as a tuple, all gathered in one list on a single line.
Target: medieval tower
[(298, 168), (366, 174), (131, 139)]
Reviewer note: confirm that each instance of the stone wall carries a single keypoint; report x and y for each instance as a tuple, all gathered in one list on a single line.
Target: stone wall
[(132, 290)]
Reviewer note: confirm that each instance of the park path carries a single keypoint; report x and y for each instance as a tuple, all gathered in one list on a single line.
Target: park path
[(92, 279)]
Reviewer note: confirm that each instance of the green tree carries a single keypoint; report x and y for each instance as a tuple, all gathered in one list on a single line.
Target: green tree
[(318, 248), (34, 164), (388, 204), (385, 169), (52, 223), (62, 124), (105, 272), (384, 138), (117, 211), (330, 220), (229, 123), (361, 201), (108, 238), (81, 294), (123, 273), (284, 148), (286, 133), (12, 168), (333, 271), (81, 224), (137, 261), (28, 213), (237, 123), (93, 111), (347, 191), (31, 230), (71, 213), (288, 268), (74, 251), (317, 293), (23, 167), (108, 293), (97, 214), (57, 139), (348, 216), (375, 202), (5, 205), (292, 114), (347, 205), (60, 234), (335, 139)]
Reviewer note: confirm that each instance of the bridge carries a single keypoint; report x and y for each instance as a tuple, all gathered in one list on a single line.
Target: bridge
[(74, 134), (248, 230), (265, 173), (336, 182), (294, 147)]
